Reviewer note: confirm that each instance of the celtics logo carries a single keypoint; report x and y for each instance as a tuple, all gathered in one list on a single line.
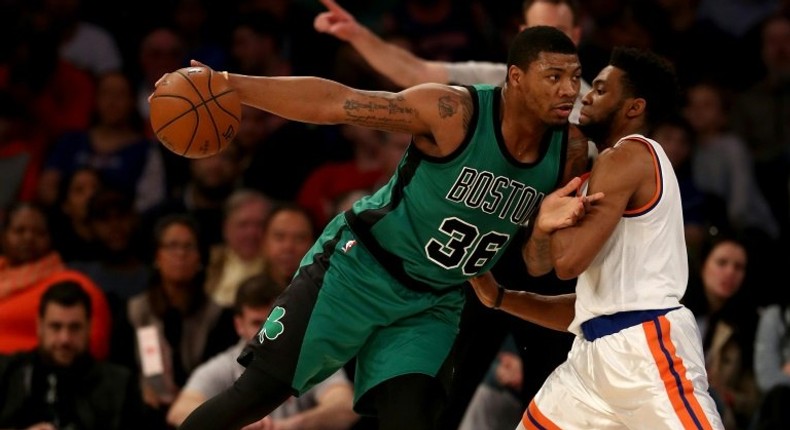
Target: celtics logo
[(272, 327)]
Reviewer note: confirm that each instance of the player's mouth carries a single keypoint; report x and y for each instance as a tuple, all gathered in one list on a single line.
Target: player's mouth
[(564, 109)]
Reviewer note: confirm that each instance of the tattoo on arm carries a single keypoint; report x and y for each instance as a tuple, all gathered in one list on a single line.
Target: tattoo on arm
[(537, 254), (380, 112)]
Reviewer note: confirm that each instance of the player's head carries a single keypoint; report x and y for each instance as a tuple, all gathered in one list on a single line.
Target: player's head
[(544, 74), (64, 315), (254, 300), (636, 90), (561, 14)]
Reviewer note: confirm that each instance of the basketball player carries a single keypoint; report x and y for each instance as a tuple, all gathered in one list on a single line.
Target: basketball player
[(382, 283), (637, 360), (482, 331)]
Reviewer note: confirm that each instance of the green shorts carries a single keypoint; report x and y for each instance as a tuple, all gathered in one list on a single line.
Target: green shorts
[(343, 304)]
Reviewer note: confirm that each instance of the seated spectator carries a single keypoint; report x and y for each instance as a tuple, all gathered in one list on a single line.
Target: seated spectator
[(239, 256), (28, 267), (727, 320), (71, 234), (328, 405), (496, 404), (116, 268), (287, 237), (114, 145), (772, 365), (333, 179), (190, 327), (59, 385), (211, 181)]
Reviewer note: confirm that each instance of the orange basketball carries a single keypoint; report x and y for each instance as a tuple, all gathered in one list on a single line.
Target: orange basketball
[(194, 112)]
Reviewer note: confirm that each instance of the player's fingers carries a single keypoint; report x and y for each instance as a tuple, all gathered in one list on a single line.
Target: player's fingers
[(321, 22), (334, 7), (196, 63), (570, 187)]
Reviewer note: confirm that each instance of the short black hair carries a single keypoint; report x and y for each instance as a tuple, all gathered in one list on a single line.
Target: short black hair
[(650, 77), (255, 292), (67, 294), (573, 5), (532, 41)]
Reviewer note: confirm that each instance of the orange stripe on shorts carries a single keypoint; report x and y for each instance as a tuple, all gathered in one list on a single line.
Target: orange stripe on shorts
[(533, 419), (673, 374)]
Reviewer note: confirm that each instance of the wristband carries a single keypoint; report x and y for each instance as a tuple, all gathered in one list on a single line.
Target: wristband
[(500, 295)]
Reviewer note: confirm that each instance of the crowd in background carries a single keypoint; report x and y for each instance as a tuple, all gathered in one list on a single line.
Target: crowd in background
[(157, 240)]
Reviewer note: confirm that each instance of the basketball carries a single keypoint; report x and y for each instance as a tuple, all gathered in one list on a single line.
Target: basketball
[(194, 112)]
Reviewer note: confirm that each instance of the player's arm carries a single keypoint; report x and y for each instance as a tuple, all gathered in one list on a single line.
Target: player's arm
[(186, 402), (334, 411), (560, 209), (396, 63), (436, 115), (554, 312), (626, 175), (537, 250)]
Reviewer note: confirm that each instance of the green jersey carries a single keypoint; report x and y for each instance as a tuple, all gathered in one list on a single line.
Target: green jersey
[(440, 221)]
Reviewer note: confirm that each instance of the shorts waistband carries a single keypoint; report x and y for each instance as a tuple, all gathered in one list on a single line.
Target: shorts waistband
[(605, 325), (390, 262)]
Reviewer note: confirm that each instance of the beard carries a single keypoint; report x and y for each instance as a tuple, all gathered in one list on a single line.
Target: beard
[(598, 131)]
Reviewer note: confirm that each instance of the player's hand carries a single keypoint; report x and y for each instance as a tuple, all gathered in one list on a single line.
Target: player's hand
[(192, 63), (337, 22), (486, 288), (563, 208)]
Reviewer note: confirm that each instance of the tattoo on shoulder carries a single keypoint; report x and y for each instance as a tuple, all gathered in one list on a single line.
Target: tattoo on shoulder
[(379, 112), (450, 105)]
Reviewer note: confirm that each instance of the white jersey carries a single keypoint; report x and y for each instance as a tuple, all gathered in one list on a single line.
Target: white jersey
[(643, 265)]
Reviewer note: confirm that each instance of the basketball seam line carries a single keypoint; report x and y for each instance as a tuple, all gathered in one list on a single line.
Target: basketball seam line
[(211, 117)]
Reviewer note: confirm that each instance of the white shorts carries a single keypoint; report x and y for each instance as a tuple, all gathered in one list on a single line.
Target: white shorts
[(648, 376)]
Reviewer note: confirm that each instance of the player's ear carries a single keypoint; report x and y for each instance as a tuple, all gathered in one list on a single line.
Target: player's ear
[(514, 75), (636, 107)]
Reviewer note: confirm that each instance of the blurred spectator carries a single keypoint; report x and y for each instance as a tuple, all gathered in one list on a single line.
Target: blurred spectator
[(198, 32), (257, 46), (288, 235), (722, 165), (116, 267), (56, 95), (699, 48), (727, 321), (762, 117), (114, 145), (28, 267), (190, 327), (496, 404), (83, 44), (327, 406), (161, 51), (22, 147), (211, 181), (239, 256), (59, 385), (772, 365), (72, 236), (369, 167), (441, 30), (678, 140)]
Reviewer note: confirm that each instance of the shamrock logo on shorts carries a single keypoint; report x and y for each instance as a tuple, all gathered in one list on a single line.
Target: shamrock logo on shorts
[(272, 327)]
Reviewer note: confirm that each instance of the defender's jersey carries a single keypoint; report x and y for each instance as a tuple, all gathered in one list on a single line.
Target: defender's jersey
[(440, 221), (643, 265)]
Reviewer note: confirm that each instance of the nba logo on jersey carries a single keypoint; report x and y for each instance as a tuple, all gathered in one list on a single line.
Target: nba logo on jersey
[(349, 244)]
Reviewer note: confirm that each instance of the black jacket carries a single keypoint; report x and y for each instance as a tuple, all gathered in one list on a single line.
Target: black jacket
[(89, 395)]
